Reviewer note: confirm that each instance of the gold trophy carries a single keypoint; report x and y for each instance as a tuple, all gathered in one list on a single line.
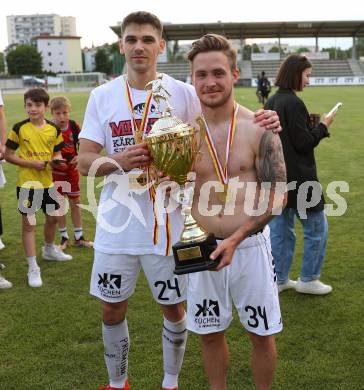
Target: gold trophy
[(173, 147)]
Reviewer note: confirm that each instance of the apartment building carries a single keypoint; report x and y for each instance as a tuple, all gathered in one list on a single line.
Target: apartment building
[(23, 28), (61, 54)]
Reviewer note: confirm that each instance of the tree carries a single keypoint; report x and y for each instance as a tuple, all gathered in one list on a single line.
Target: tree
[(2, 65), (102, 61), (359, 47), (174, 53), (24, 60), (247, 52), (303, 50), (335, 53), (255, 48)]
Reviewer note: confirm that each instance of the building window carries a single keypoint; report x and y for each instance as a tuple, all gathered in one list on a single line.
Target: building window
[(61, 63), (48, 43), (49, 53), (49, 63)]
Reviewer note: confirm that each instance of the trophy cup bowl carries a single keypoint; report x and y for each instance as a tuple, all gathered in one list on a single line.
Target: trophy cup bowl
[(173, 147)]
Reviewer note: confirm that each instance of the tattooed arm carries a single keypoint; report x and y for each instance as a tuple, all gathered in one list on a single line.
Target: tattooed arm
[(271, 173)]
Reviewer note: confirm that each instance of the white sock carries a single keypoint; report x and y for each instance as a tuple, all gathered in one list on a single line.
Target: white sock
[(78, 233), (48, 246), (116, 344), (32, 262), (174, 339), (63, 233)]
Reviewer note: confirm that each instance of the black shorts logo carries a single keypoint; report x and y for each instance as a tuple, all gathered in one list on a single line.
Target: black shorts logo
[(109, 285), (207, 314), (208, 309), (110, 280)]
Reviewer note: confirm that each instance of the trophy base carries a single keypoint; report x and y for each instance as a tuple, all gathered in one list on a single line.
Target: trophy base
[(194, 256)]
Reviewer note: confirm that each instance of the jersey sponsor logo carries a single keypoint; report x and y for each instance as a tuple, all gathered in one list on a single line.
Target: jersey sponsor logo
[(120, 143), (109, 284), (50, 140), (139, 109), (124, 128), (207, 314), (122, 133), (30, 153)]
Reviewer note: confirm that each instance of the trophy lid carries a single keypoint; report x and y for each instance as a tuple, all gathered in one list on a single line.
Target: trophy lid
[(166, 124)]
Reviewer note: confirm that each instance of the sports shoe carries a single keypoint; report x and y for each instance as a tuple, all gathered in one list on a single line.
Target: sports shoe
[(108, 387), (64, 243), (2, 245), (34, 279), (82, 243), (55, 253), (285, 286), (5, 283), (314, 287)]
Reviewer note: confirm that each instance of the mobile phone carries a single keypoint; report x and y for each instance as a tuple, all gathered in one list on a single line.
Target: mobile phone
[(58, 161), (334, 109)]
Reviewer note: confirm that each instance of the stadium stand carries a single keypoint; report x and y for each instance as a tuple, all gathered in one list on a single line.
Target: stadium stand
[(249, 69), (178, 70), (321, 68)]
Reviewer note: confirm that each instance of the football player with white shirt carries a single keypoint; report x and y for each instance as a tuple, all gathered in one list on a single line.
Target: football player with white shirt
[(128, 237)]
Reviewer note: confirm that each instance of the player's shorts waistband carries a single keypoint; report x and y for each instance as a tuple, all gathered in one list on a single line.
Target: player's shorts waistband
[(250, 235), (253, 239)]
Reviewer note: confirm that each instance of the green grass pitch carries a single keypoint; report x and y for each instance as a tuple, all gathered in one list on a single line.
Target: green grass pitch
[(50, 338)]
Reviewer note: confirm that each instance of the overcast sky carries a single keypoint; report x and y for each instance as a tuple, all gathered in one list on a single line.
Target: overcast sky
[(94, 18)]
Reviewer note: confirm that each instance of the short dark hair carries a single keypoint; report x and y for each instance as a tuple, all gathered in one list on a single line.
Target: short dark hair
[(37, 95), (290, 72), (213, 42), (142, 17)]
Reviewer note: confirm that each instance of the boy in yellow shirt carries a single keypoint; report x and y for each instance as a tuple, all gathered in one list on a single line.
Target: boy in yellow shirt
[(39, 143)]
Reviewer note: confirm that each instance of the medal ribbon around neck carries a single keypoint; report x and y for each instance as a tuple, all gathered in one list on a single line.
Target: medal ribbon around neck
[(222, 172), (139, 132)]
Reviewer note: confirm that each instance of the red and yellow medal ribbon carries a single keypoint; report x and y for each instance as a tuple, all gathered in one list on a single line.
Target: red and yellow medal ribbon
[(139, 132), (222, 172), (168, 236)]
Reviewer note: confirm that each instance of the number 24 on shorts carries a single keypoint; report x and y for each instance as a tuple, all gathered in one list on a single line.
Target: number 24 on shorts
[(167, 285)]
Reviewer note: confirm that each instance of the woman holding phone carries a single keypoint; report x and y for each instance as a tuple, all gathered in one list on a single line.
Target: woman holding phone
[(306, 201)]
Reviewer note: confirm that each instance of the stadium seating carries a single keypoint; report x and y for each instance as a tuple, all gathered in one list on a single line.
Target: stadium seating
[(250, 69), (321, 68), (178, 70)]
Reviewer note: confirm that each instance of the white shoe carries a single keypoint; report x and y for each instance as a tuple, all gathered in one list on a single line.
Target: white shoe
[(314, 287), (5, 283), (2, 245), (55, 253), (285, 286), (34, 279)]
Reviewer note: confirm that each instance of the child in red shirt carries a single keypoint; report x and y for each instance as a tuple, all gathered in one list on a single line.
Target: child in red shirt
[(60, 109)]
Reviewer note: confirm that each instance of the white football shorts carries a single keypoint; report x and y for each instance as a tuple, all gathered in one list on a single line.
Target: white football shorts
[(249, 282), (114, 277)]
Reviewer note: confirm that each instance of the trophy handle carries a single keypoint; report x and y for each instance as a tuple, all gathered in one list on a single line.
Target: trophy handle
[(202, 131)]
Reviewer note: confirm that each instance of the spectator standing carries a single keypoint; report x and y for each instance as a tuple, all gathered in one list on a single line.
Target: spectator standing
[(60, 109), (264, 87), (3, 282), (299, 139), (39, 142)]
